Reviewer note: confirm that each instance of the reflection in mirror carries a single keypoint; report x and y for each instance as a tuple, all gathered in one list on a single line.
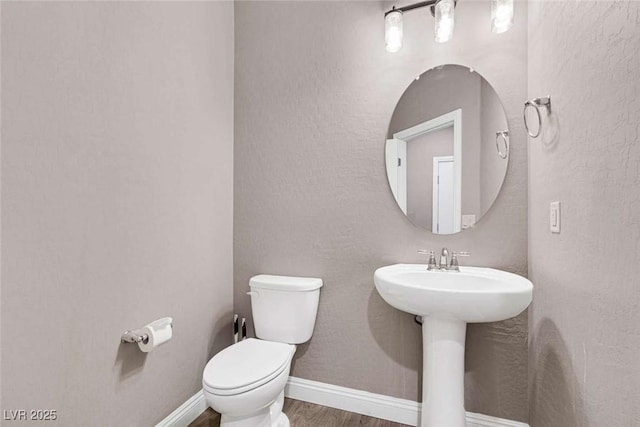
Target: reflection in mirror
[(447, 149)]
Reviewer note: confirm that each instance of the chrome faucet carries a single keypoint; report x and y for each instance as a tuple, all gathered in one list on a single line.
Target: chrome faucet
[(444, 259), (444, 264)]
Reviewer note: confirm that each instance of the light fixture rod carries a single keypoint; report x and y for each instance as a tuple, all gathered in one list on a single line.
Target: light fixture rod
[(428, 3)]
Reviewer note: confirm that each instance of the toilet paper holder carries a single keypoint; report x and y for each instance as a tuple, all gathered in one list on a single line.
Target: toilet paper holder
[(140, 335)]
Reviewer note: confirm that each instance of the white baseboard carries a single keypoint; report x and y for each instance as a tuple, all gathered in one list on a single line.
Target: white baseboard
[(375, 405), (347, 399), (394, 409), (186, 413)]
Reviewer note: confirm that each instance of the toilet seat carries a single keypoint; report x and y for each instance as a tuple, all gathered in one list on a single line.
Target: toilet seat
[(245, 366)]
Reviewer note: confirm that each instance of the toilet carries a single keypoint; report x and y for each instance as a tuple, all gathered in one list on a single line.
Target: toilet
[(245, 382)]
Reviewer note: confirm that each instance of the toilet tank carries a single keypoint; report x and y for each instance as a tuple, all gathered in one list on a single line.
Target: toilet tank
[(284, 308)]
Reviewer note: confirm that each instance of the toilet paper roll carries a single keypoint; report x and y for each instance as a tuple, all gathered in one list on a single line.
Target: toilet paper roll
[(158, 332)]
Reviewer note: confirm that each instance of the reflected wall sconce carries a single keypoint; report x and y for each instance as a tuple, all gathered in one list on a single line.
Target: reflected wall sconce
[(444, 13)]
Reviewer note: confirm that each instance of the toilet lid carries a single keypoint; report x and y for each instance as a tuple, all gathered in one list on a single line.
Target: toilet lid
[(246, 365)]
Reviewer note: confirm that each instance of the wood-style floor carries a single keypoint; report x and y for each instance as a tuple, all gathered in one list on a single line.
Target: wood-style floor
[(303, 414)]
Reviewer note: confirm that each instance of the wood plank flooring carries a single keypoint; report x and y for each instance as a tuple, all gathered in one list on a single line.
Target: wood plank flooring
[(304, 414)]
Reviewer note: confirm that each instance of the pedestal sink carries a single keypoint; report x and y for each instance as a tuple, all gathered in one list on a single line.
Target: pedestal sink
[(447, 301)]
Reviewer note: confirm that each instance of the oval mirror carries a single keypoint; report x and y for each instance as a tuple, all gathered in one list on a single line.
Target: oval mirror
[(447, 149)]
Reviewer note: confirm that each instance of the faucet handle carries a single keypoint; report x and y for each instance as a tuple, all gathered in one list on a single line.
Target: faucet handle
[(454, 260), (432, 259)]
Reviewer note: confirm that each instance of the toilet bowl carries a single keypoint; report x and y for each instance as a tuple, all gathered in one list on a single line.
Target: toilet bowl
[(245, 382)]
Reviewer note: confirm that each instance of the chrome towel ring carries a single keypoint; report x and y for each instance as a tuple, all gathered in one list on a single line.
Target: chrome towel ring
[(536, 103), (504, 135)]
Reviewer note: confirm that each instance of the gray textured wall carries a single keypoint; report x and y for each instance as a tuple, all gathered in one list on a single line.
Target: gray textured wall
[(586, 308), (315, 90), (116, 204)]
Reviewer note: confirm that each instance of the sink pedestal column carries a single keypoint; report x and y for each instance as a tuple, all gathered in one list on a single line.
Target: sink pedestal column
[(443, 372)]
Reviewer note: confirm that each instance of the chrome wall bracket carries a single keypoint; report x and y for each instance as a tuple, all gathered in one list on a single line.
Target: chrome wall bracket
[(135, 336)]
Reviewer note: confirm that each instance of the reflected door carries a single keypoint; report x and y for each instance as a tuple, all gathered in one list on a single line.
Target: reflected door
[(443, 195)]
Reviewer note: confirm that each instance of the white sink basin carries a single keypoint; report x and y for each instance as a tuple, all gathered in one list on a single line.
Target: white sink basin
[(472, 295), (447, 301)]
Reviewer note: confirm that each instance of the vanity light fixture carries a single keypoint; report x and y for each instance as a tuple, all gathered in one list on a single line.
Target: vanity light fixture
[(443, 11), (393, 30), (444, 20), (501, 15)]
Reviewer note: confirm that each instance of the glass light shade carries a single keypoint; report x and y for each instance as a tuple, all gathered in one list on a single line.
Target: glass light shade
[(393, 31), (501, 15), (444, 13)]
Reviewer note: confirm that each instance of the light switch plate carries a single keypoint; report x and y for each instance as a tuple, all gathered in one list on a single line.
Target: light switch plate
[(554, 217)]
